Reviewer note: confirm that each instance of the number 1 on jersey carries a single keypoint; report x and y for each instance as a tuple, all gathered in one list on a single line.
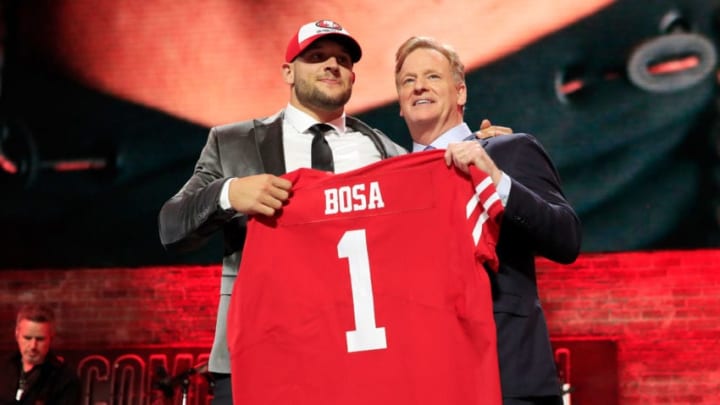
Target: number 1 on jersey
[(366, 336)]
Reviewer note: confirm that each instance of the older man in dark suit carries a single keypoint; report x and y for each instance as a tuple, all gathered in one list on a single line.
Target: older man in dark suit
[(538, 220)]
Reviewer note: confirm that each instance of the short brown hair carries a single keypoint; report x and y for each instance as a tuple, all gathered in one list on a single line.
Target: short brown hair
[(37, 313)]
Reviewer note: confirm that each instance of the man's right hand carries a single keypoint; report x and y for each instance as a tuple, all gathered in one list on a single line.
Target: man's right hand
[(259, 194), (466, 153)]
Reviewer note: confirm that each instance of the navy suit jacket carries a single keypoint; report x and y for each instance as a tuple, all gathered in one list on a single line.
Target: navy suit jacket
[(538, 221)]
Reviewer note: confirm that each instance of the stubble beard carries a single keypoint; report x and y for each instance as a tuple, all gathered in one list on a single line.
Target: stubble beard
[(33, 357), (310, 95)]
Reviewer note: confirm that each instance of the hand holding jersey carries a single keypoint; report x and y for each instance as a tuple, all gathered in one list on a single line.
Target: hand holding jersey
[(319, 71), (463, 154), (265, 193), (379, 294), (259, 194)]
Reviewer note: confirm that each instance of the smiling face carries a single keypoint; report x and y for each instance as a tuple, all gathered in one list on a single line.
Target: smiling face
[(431, 98), (321, 79)]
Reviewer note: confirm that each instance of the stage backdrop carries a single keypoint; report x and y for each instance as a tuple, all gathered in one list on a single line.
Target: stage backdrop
[(106, 105)]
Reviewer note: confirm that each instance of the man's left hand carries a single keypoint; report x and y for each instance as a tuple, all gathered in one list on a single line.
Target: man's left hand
[(488, 130)]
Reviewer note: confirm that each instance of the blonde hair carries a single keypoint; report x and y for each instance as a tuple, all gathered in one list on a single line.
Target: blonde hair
[(456, 66)]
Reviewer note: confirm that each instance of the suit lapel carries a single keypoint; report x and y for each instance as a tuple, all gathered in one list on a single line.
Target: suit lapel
[(484, 142), (357, 125), (270, 145)]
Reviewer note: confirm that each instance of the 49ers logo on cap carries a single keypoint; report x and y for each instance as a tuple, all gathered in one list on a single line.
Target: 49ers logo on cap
[(311, 32), (329, 24)]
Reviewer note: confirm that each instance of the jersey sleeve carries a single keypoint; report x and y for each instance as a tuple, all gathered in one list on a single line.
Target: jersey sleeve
[(484, 212)]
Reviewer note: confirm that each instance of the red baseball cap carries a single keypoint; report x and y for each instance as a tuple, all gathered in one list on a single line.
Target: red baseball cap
[(311, 32)]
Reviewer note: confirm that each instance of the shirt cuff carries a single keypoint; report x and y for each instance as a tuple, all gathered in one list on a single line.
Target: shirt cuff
[(225, 195), (503, 188)]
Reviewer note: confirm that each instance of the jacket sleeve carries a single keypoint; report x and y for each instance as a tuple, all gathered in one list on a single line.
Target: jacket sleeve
[(190, 217), (536, 205)]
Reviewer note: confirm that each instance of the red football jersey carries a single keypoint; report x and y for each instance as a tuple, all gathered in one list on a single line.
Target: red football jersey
[(369, 288)]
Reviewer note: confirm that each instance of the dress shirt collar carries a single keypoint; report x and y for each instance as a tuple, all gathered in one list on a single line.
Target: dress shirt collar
[(301, 121), (454, 134)]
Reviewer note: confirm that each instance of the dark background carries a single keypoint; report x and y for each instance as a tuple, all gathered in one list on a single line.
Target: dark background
[(639, 160)]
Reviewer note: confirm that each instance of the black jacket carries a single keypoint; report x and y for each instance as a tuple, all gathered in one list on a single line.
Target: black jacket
[(52, 383)]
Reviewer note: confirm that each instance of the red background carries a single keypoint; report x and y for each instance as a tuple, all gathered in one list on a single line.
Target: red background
[(660, 308)]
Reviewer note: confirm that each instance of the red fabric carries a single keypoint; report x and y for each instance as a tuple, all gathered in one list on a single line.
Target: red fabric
[(427, 300)]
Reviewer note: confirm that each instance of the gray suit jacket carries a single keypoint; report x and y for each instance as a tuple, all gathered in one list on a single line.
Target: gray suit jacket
[(192, 216)]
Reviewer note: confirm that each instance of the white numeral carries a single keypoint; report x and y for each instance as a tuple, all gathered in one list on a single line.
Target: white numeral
[(366, 336)]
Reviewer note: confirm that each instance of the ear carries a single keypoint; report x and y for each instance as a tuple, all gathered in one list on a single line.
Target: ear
[(462, 94), (288, 73), (352, 77)]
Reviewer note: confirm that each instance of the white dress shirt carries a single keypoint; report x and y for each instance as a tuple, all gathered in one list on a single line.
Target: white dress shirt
[(351, 149)]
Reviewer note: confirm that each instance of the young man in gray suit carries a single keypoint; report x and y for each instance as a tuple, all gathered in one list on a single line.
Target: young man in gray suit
[(237, 172), (430, 82)]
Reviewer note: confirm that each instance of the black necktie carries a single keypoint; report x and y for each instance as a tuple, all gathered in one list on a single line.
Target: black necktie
[(322, 158)]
